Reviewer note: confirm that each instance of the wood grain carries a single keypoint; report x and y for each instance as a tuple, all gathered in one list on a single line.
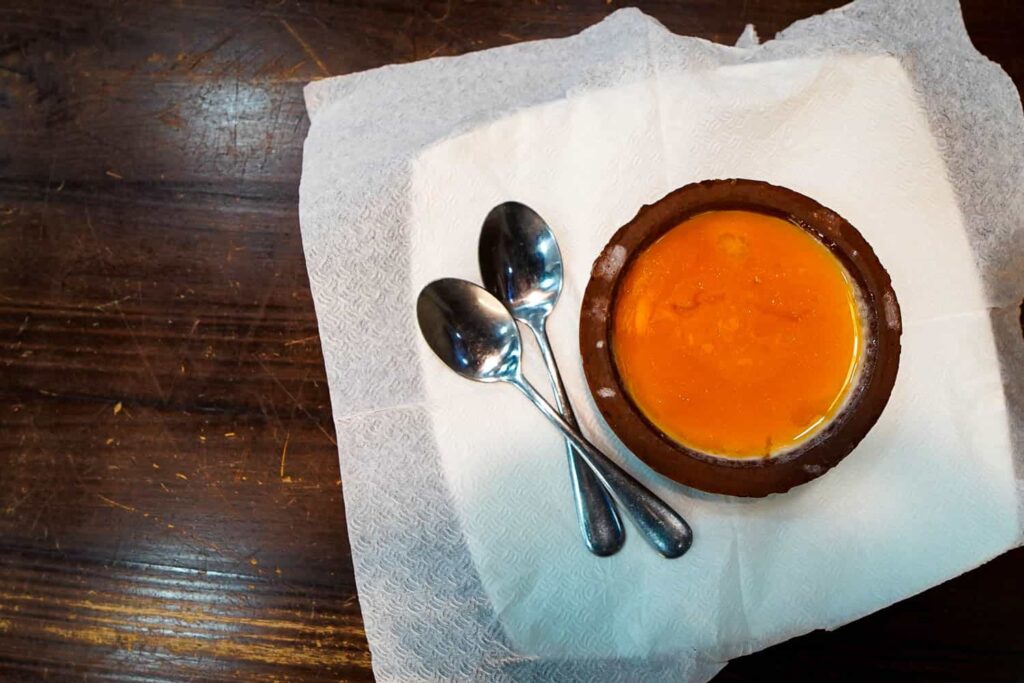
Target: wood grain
[(170, 503)]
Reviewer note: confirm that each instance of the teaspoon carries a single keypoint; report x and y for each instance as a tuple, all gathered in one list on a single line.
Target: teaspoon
[(521, 265)]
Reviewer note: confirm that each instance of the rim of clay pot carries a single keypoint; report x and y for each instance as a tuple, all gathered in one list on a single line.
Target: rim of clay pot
[(880, 319)]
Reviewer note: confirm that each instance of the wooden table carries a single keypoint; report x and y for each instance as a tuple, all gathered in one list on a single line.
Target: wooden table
[(170, 504)]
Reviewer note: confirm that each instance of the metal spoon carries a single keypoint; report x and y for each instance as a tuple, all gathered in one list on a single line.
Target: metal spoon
[(477, 337), (521, 265)]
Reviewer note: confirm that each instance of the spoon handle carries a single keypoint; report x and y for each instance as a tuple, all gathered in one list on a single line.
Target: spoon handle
[(662, 526), (598, 519)]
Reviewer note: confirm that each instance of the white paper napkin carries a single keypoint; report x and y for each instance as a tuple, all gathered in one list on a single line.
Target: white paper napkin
[(466, 550)]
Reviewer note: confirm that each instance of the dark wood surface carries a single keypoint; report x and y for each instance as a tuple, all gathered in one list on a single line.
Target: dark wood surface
[(170, 503)]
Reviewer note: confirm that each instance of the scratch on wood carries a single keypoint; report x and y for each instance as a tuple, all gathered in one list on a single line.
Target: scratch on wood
[(141, 354), (306, 47), (284, 453), (206, 53), (327, 434), (295, 401), (293, 342), (127, 508), (100, 307), (9, 510), (291, 71)]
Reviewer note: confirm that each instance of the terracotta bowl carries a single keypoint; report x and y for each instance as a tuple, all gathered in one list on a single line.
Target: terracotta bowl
[(880, 322)]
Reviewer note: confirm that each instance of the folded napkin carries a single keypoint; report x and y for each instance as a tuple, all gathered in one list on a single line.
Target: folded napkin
[(467, 554)]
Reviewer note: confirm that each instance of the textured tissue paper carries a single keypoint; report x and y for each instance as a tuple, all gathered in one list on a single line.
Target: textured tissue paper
[(467, 555)]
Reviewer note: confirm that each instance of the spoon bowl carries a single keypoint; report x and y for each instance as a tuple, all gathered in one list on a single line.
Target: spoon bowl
[(469, 330), (520, 262)]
